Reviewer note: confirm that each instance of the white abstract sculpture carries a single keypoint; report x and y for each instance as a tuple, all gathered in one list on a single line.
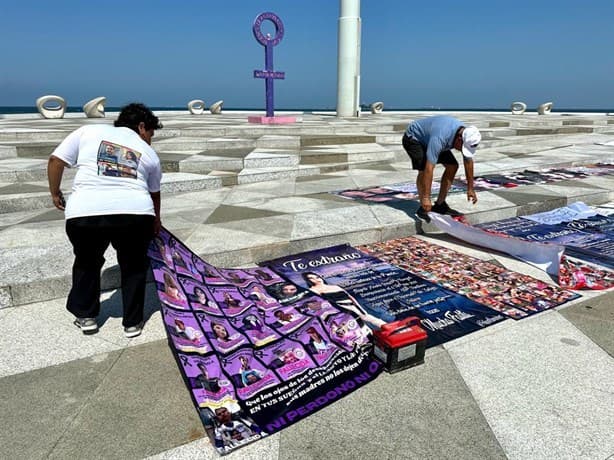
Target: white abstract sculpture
[(95, 107), (216, 107), (377, 107), (518, 108), (56, 110), (196, 106), (544, 108)]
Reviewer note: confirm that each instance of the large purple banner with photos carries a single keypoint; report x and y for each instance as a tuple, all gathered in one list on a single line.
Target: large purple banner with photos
[(257, 352), (379, 292)]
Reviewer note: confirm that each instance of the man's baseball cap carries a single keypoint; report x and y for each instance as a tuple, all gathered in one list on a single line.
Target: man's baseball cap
[(471, 140)]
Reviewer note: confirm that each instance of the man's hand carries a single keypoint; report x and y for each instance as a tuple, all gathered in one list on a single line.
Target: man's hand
[(426, 204), (471, 196)]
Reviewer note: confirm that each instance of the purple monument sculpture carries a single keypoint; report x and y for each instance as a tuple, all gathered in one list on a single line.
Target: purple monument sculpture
[(268, 73)]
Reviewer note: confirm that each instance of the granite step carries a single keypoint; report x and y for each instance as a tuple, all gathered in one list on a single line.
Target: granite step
[(309, 141), (34, 195), (37, 257), (27, 149), (355, 153)]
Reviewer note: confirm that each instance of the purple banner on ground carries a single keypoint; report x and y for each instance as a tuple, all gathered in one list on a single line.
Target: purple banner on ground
[(257, 352), (407, 190), (379, 292)]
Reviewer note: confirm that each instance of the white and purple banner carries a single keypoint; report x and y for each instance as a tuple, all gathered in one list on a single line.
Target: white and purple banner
[(589, 239), (257, 352), (379, 292), (542, 255)]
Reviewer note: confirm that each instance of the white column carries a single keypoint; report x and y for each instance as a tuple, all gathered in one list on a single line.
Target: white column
[(348, 59)]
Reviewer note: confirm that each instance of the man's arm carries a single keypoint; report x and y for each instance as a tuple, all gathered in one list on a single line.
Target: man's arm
[(468, 165), (55, 170), (155, 197)]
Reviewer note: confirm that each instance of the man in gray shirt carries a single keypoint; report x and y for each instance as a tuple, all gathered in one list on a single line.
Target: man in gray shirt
[(429, 141)]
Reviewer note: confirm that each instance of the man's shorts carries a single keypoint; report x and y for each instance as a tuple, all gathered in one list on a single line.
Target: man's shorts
[(417, 153)]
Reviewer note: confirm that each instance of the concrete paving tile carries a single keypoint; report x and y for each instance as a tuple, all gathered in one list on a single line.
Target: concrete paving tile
[(395, 213), (279, 227), (528, 194), (33, 338), (604, 182), (332, 221), (213, 239), (297, 204), (38, 407), (67, 342), (324, 186), (185, 201), (146, 400), (280, 187), (423, 412), (46, 216), (13, 218), (375, 178), (580, 191), (264, 449), (225, 213), (353, 238), (595, 318), (543, 387), (185, 219), (29, 235), (237, 197)]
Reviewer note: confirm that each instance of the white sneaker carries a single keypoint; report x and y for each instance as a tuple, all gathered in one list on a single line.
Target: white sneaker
[(133, 331), (87, 325)]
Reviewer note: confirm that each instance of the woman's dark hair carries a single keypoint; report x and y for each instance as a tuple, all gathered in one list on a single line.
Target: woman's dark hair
[(135, 113), (310, 283)]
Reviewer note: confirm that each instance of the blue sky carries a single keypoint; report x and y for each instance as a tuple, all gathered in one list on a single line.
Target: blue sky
[(475, 53)]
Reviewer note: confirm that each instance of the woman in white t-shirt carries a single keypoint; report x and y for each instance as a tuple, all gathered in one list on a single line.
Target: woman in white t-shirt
[(115, 200)]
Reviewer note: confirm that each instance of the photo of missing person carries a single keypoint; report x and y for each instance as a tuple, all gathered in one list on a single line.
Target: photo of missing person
[(236, 277), (286, 292), (206, 379), (247, 373), (316, 342), (199, 297), (160, 251), (229, 427), (258, 294), (208, 272), (345, 330), (169, 288), (253, 326), (230, 299), (315, 306), (222, 335), (184, 331), (288, 358), (285, 319), (264, 275)]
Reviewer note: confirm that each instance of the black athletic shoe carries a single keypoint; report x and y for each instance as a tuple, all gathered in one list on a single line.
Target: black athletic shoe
[(423, 215), (443, 208)]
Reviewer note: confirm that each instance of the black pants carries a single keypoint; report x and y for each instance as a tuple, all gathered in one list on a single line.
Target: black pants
[(90, 236)]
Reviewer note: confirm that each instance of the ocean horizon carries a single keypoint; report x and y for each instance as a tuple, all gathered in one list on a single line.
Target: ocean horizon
[(9, 110)]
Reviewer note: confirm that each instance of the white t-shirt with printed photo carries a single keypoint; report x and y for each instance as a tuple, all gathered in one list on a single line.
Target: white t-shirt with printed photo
[(117, 171)]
